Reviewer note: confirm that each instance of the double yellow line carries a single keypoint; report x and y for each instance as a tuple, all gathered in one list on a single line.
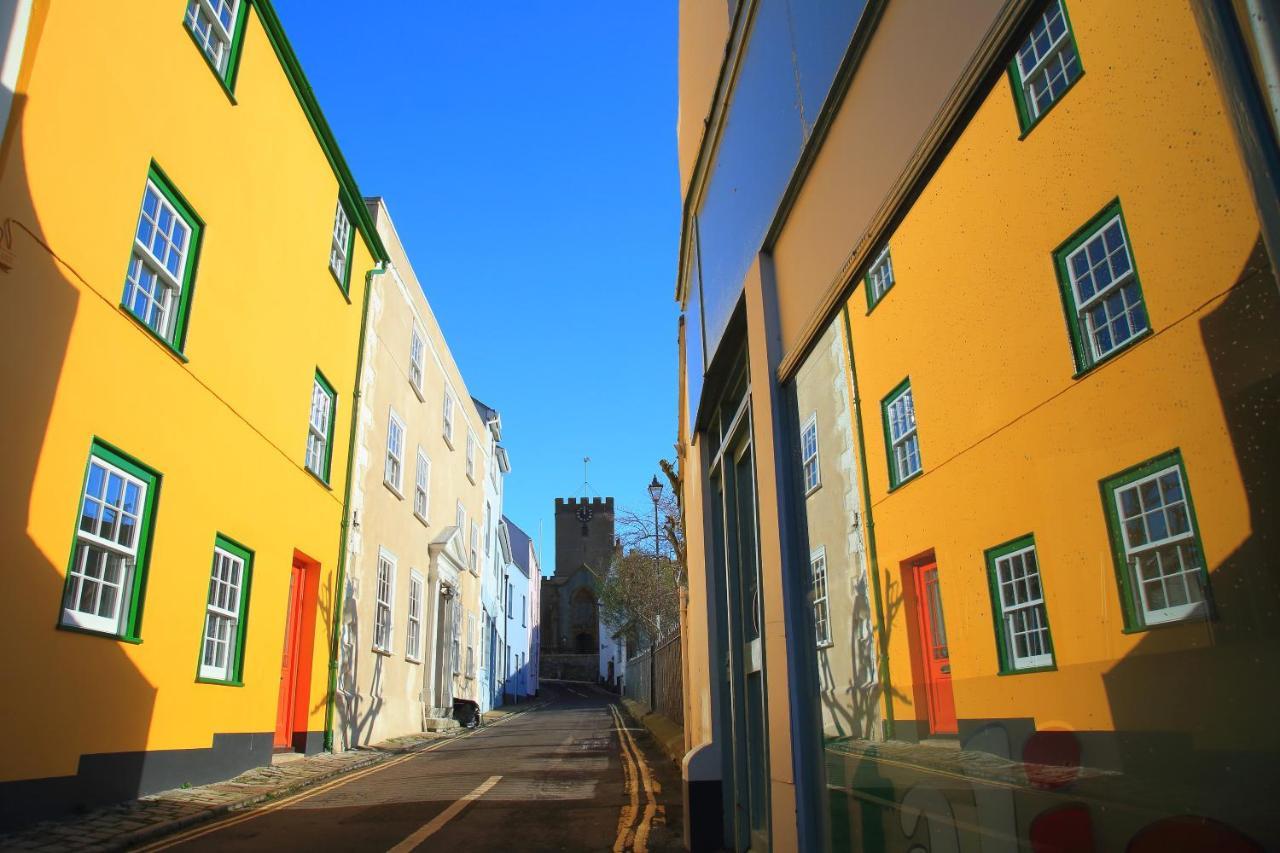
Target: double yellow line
[(634, 837), (256, 812)]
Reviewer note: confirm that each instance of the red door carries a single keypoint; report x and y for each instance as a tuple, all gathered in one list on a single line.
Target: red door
[(289, 662), (941, 703)]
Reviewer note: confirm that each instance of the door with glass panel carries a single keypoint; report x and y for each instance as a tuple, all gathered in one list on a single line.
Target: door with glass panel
[(735, 553)]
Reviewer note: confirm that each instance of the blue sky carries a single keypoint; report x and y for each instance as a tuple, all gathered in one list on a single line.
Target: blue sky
[(527, 153)]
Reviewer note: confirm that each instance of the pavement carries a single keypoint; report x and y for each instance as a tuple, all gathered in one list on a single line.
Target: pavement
[(570, 772)]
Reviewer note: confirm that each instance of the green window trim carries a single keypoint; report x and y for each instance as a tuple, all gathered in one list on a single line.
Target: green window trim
[(196, 226), (231, 546), (325, 478), (226, 79), (132, 623), (1134, 619), (1084, 360), (1027, 121), (890, 455), (1008, 665), (344, 282)]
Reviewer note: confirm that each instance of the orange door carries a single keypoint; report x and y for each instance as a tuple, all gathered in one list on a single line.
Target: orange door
[(941, 704), (289, 662)]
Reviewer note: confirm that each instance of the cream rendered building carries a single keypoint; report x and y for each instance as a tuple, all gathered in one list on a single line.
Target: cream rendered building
[(411, 615)]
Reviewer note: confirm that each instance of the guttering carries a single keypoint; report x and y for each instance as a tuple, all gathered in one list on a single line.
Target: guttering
[(338, 596), (347, 188)]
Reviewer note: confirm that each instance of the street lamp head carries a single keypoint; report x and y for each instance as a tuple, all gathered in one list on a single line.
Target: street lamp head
[(655, 489)]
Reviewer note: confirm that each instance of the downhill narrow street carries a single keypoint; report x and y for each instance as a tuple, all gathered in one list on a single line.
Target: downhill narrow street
[(569, 774)]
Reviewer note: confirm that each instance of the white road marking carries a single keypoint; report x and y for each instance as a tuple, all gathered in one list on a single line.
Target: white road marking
[(433, 826)]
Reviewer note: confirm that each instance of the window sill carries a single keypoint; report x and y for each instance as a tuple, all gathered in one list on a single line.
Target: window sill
[(472, 479), (378, 651), (423, 519), (1199, 617), (826, 644), (815, 487), (343, 287), (417, 661), (151, 333), (321, 480), (417, 390), (916, 476), (76, 629), (1082, 372), (218, 681), (222, 83), (447, 440), (393, 489), (1026, 131), (1053, 667), (871, 305)]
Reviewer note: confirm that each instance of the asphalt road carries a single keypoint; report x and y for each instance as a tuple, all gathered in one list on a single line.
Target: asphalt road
[(573, 774)]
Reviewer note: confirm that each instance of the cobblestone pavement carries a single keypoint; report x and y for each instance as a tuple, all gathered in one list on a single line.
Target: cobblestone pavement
[(121, 826)]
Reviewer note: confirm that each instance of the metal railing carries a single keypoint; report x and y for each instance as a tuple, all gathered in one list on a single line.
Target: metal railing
[(662, 692)]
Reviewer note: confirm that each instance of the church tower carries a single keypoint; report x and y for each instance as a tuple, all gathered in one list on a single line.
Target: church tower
[(570, 598)]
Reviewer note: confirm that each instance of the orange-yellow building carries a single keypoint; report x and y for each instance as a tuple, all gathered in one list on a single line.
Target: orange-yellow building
[(981, 377), (185, 262)]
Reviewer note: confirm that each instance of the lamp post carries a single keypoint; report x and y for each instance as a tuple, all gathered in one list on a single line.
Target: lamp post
[(655, 493)]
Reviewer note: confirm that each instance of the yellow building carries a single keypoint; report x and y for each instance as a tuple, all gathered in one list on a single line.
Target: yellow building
[(981, 379), (186, 258)]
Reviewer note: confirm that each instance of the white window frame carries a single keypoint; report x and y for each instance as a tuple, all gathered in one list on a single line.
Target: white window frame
[(422, 486), (417, 360), (471, 456), (809, 454), (880, 277), (1027, 606), (166, 280), (223, 611), (473, 554), (471, 645), (903, 435), (460, 519), (413, 636), (1057, 50), (447, 419), (1192, 577), (819, 583), (393, 468), (1085, 307), (339, 245), (318, 428), (91, 544), (384, 597), (216, 42), (488, 529), (524, 611)]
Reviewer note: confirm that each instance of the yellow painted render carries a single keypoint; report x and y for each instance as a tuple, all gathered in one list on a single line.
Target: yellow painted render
[(782, 791), (1011, 443), (703, 31), (227, 431)]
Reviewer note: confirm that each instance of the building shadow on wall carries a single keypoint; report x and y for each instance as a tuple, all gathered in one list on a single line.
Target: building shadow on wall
[(77, 711), (1195, 705)]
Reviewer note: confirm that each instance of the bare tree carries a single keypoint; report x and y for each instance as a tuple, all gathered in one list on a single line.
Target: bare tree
[(640, 592)]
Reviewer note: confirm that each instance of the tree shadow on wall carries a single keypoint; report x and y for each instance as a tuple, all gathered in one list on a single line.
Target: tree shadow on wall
[(77, 709), (854, 708)]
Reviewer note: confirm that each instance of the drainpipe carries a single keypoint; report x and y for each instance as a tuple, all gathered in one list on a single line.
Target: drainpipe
[(870, 525), (338, 588)]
